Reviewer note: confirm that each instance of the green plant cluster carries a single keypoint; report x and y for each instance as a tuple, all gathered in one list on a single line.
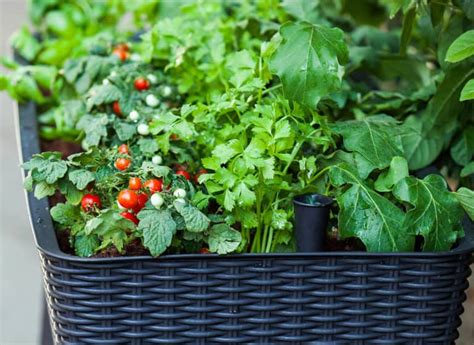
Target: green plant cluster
[(273, 99)]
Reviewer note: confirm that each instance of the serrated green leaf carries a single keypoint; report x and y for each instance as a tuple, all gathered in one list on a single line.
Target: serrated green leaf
[(148, 146), (95, 128), (369, 216), (466, 198), (436, 213), (376, 138), (158, 228), (65, 214), (72, 194), (43, 190), (309, 61), (25, 43), (223, 239), (461, 48), (85, 245), (125, 131), (81, 178), (195, 220), (229, 200)]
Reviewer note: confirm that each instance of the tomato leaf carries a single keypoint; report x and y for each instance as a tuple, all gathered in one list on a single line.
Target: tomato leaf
[(81, 178), (223, 239), (195, 220), (158, 228)]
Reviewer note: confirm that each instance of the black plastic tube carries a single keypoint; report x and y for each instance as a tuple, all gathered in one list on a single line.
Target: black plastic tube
[(311, 221)]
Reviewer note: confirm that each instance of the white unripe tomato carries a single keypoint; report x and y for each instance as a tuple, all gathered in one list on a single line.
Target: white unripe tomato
[(133, 115), (143, 129), (157, 200), (152, 101), (179, 193), (157, 160)]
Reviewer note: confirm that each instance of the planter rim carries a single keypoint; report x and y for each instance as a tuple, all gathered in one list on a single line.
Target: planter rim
[(327, 201), (26, 126)]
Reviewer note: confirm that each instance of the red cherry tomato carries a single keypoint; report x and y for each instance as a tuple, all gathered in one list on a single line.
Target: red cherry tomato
[(174, 137), (204, 251), (89, 202), (128, 199), (154, 185), (120, 53), (184, 173), (199, 173), (134, 183), (129, 216), (141, 84), (123, 46), (122, 163), (142, 199), (116, 108), (123, 149)]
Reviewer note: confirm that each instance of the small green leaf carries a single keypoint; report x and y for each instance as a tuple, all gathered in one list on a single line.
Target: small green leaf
[(25, 43), (158, 228), (397, 171), (85, 245), (223, 239), (125, 131), (468, 170), (467, 92), (65, 214), (81, 178), (95, 128), (43, 190), (461, 48), (466, 198), (463, 149)]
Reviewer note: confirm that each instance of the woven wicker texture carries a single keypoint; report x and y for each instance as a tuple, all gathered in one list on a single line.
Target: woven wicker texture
[(258, 300)]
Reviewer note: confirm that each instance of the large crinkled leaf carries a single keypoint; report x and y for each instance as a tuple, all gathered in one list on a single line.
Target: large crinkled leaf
[(223, 239), (375, 138), (158, 228), (466, 198), (195, 220), (372, 218), (436, 212), (309, 61)]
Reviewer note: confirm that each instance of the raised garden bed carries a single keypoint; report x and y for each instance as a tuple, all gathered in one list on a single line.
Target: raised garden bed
[(298, 298)]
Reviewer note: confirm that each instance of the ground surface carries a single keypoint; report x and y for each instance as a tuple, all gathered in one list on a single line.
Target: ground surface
[(20, 277)]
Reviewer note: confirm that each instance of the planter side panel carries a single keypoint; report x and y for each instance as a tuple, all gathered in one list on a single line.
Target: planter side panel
[(323, 300)]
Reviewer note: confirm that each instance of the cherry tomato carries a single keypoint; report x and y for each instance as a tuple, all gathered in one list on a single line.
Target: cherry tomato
[(204, 250), (123, 149), (89, 202), (154, 185), (116, 108), (120, 53), (122, 163), (199, 173), (141, 201), (123, 46), (128, 199), (129, 216), (141, 84), (184, 173), (174, 137), (134, 183)]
